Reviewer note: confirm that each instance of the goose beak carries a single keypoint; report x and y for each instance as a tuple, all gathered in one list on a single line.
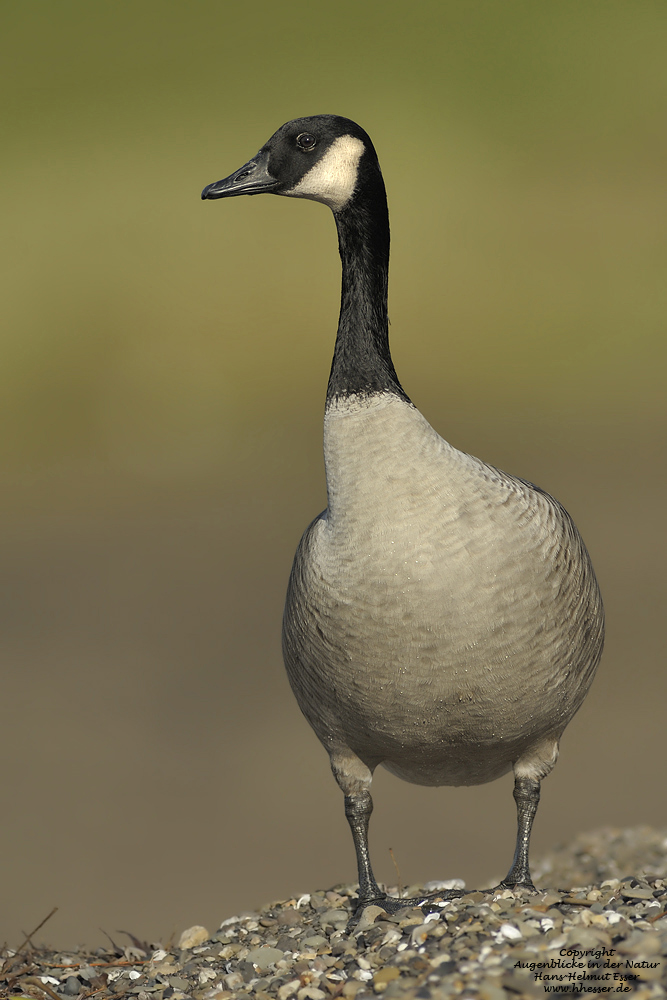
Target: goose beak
[(252, 178)]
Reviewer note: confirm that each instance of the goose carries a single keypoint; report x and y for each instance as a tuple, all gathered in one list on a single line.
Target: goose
[(442, 618)]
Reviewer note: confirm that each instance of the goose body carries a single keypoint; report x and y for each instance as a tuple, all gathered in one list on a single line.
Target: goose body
[(432, 611), (442, 618)]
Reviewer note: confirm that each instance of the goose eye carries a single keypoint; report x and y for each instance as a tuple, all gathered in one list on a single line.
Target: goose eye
[(306, 140)]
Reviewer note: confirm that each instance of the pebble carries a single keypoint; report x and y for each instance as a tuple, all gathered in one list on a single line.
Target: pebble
[(264, 956), (510, 932), (637, 893), (311, 993), (384, 976), (368, 917), (487, 945), (193, 937)]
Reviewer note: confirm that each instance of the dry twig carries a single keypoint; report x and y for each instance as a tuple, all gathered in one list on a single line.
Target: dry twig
[(398, 874), (39, 926), (36, 981)]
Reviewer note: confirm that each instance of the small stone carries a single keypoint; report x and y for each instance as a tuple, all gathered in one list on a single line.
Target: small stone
[(640, 943), (314, 942), (166, 968), (264, 956), (288, 989), (178, 983), (233, 981), (587, 937), (352, 987), (392, 936), (363, 975), (72, 986), (649, 970), (368, 917), (525, 985), (510, 932), (338, 917), (419, 934), (637, 893), (335, 898), (412, 917), (311, 993), (526, 929), (193, 936), (88, 972), (443, 964), (550, 897), (488, 990), (394, 990), (383, 977), (286, 943)]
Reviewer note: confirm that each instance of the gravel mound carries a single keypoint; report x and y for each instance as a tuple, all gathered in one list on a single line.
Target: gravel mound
[(603, 854), (601, 931)]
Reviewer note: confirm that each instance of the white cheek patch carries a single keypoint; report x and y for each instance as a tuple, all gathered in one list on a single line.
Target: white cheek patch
[(332, 179)]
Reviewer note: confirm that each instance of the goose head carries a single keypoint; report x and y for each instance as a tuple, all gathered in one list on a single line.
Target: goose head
[(324, 158)]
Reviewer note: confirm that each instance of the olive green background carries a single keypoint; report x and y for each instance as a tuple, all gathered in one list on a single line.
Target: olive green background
[(162, 376)]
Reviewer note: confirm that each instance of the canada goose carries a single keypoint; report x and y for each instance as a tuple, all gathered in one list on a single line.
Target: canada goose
[(443, 618)]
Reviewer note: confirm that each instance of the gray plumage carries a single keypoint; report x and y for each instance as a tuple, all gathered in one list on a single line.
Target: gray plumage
[(442, 618)]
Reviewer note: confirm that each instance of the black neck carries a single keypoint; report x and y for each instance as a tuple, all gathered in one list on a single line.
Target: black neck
[(362, 362)]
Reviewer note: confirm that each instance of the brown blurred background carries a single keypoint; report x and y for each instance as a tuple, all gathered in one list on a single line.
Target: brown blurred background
[(163, 370)]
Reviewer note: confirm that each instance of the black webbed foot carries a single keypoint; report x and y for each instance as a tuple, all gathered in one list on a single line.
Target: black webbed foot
[(428, 902), (514, 886)]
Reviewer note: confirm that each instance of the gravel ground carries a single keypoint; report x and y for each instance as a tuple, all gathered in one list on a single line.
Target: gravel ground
[(601, 931)]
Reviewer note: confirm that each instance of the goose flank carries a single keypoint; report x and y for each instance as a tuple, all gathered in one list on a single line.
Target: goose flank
[(442, 618)]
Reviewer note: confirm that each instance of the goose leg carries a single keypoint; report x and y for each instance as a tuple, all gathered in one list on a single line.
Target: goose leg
[(527, 797), (354, 779), (358, 809)]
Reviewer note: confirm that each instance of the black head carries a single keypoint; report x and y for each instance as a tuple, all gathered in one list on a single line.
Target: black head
[(322, 158)]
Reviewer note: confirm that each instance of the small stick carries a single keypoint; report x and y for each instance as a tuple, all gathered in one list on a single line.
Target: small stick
[(36, 981), (28, 937), (398, 874), (115, 946)]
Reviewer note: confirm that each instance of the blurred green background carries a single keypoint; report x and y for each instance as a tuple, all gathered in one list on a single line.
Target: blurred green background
[(163, 370)]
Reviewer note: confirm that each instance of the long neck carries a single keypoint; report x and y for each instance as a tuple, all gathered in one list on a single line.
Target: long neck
[(362, 362)]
